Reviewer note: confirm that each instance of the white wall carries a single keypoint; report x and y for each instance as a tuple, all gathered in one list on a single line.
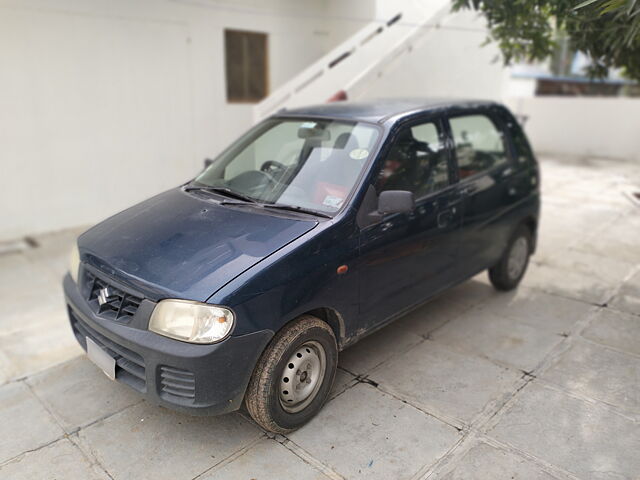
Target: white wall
[(450, 61), (582, 126), (106, 102)]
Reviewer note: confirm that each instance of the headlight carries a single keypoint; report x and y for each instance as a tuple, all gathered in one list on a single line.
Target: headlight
[(74, 263), (192, 322)]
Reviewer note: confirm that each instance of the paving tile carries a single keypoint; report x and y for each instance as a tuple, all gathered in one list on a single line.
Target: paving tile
[(26, 425), (600, 373), (432, 315), (145, 441), (365, 433), (584, 438), (567, 283), (628, 298), (60, 460), (38, 347), (377, 348), (445, 382), (616, 329), (619, 241), (266, 460), (78, 393), (342, 381), (53, 251), (484, 461), (539, 309), (505, 340), (472, 292), (608, 271)]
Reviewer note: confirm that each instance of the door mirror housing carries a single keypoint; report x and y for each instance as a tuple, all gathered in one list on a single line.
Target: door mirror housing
[(395, 201), (207, 162)]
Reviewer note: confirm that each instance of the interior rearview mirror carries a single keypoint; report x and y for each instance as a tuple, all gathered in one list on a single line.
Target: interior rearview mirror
[(395, 201)]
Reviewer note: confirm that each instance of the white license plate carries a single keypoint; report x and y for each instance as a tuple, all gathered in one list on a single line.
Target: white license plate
[(101, 358)]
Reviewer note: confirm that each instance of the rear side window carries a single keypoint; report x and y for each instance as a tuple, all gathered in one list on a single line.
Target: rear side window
[(479, 145)]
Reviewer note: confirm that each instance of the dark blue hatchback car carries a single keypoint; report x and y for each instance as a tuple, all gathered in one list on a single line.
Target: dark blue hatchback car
[(315, 228)]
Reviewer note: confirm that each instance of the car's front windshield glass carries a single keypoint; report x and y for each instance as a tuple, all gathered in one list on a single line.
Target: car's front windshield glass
[(311, 164)]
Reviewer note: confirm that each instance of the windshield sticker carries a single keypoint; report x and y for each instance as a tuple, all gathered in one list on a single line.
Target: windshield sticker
[(332, 201), (359, 153)]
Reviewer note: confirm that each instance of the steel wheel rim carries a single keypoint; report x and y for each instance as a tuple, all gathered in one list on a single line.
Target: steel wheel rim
[(302, 377), (517, 257)]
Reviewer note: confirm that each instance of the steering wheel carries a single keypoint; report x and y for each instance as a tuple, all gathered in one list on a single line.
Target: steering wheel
[(273, 168)]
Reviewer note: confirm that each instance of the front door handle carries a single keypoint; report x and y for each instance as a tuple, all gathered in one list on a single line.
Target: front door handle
[(446, 217)]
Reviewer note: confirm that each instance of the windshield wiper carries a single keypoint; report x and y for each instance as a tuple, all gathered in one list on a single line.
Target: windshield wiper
[(223, 191), (295, 208)]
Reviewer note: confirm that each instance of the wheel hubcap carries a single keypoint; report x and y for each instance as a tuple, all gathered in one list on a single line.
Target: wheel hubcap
[(517, 258), (302, 377)]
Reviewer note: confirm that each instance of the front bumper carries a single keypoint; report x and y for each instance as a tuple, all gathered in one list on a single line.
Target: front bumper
[(195, 379)]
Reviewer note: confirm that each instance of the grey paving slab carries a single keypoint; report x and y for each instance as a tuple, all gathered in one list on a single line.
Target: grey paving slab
[(342, 381), (628, 298), (26, 424), (446, 382), (150, 442), (77, 393), (472, 292), (616, 329), (598, 372), (377, 347), (581, 437), (36, 347), (53, 250), (568, 283), (505, 340), (266, 460), (539, 309), (606, 270), (483, 461), (365, 433), (619, 241), (59, 461), (432, 315)]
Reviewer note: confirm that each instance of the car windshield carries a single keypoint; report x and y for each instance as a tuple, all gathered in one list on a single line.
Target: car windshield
[(310, 164)]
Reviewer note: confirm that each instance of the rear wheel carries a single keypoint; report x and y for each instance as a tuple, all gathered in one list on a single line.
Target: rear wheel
[(506, 275), (293, 376)]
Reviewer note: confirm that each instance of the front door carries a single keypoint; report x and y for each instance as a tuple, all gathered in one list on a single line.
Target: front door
[(408, 257)]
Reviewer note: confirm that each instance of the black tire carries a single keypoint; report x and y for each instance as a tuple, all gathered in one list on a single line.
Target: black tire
[(265, 399), (501, 276)]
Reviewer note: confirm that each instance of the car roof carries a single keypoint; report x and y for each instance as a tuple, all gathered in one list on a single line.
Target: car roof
[(381, 110)]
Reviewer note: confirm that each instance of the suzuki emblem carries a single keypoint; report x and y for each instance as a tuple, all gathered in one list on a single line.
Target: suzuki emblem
[(104, 295)]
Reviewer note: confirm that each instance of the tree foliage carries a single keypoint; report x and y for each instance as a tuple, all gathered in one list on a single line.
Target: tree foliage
[(608, 31)]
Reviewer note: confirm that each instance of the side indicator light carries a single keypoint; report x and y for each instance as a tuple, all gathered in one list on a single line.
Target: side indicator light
[(342, 269)]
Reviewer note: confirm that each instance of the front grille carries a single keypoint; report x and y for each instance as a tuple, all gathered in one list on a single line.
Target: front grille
[(130, 367), (177, 382), (119, 304)]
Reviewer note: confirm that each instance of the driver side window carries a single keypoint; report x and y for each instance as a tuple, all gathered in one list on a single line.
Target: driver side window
[(417, 162)]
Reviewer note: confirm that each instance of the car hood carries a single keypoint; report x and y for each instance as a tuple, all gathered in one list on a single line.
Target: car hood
[(181, 245)]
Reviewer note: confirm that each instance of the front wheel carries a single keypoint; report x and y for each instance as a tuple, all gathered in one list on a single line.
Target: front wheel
[(506, 275), (293, 376)]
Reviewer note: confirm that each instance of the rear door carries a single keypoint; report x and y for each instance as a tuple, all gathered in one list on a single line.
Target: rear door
[(483, 170)]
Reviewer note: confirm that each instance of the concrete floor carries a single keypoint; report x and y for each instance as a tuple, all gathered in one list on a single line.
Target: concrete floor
[(540, 383)]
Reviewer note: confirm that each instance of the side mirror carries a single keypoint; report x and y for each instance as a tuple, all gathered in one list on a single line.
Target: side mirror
[(207, 162), (395, 201)]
